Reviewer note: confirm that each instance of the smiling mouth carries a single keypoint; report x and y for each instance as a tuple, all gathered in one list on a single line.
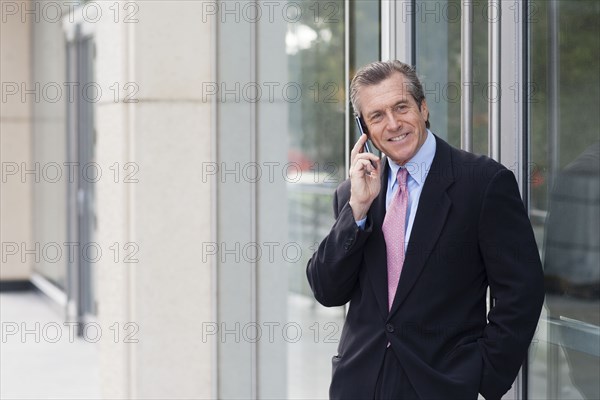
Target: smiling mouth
[(398, 138)]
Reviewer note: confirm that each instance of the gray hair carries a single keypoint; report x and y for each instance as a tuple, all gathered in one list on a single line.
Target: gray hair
[(376, 72)]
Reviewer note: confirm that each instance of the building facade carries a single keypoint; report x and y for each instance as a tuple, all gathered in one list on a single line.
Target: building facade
[(168, 167)]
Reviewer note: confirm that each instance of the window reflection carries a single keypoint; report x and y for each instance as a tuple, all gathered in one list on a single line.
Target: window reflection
[(316, 126), (565, 197), (365, 46), (314, 46), (438, 27)]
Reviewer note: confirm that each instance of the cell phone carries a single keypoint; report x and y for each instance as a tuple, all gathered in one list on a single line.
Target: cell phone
[(362, 128)]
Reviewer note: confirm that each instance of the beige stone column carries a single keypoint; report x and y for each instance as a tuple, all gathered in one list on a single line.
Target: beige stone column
[(15, 146), (158, 213)]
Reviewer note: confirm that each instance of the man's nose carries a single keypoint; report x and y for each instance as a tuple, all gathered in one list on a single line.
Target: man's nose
[(393, 123)]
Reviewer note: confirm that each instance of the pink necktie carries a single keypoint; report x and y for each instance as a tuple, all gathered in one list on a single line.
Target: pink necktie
[(393, 232)]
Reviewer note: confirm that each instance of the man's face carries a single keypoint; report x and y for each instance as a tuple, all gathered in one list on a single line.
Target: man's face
[(395, 122)]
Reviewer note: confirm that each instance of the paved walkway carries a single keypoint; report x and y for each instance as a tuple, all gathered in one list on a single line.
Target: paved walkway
[(36, 363), (42, 358)]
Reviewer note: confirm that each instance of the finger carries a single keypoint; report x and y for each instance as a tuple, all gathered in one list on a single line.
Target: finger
[(358, 146), (378, 164), (362, 167), (369, 156), (371, 168)]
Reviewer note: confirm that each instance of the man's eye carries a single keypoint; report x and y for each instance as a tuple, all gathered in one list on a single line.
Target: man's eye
[(375, 117)]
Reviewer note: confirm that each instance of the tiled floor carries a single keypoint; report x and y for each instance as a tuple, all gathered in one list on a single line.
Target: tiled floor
[(35, 362), (309, 359)]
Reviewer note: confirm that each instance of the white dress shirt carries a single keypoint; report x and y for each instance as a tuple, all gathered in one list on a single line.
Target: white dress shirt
[(418, 167)]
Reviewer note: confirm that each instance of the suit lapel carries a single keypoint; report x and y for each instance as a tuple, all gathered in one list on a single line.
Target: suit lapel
[(375, 251), (433, 208)]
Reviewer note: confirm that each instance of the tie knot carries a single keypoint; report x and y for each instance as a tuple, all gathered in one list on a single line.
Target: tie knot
[(401, 177)]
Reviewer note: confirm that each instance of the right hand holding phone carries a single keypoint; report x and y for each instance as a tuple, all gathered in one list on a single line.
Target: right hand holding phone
[(365, 179)]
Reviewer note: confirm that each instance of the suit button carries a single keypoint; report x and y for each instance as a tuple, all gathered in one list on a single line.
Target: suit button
[(389, 328)]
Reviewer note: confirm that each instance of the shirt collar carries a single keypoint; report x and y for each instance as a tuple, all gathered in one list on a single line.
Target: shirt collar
[(418, 166)]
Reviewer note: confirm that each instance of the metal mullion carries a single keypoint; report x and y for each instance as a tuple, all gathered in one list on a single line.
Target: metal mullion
[(405, 31), (388, 30), (84, 183), (398, 30), (466, 112), (514, 103), (253, 210), (347, 110), (494, 81), (214, 193), (553, 91), (80, 182), (72, 227)]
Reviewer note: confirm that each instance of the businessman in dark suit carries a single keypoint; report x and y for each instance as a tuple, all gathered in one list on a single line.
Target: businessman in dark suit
[(419, 236)]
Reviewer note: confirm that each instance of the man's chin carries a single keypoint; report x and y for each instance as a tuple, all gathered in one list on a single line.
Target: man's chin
[(399, 158)]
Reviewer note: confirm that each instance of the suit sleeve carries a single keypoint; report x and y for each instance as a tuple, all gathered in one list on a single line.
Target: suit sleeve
[(333, 269), (515, 278)]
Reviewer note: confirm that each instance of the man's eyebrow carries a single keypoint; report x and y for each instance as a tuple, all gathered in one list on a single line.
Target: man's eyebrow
[(371, 113), (399, 102)]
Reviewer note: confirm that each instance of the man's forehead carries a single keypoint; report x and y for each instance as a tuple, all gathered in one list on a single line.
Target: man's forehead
[(394, 89), (396, 80), (384, 101), (380, 101)]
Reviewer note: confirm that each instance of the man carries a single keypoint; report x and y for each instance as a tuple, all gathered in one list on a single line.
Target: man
[(418, 237)]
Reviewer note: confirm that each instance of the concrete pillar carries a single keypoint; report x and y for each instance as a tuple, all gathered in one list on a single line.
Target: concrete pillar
[(158, 213), (15, 147)]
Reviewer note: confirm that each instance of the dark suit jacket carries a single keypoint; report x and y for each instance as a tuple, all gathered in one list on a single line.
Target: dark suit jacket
[(470, 231)]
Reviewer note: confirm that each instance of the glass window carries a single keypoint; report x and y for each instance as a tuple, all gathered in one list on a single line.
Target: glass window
[(284, 112), (438, 61), (315, 47), (365, 45), (438, 64), (365, 30), (564, 183), (49, 148), (315, 61)]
